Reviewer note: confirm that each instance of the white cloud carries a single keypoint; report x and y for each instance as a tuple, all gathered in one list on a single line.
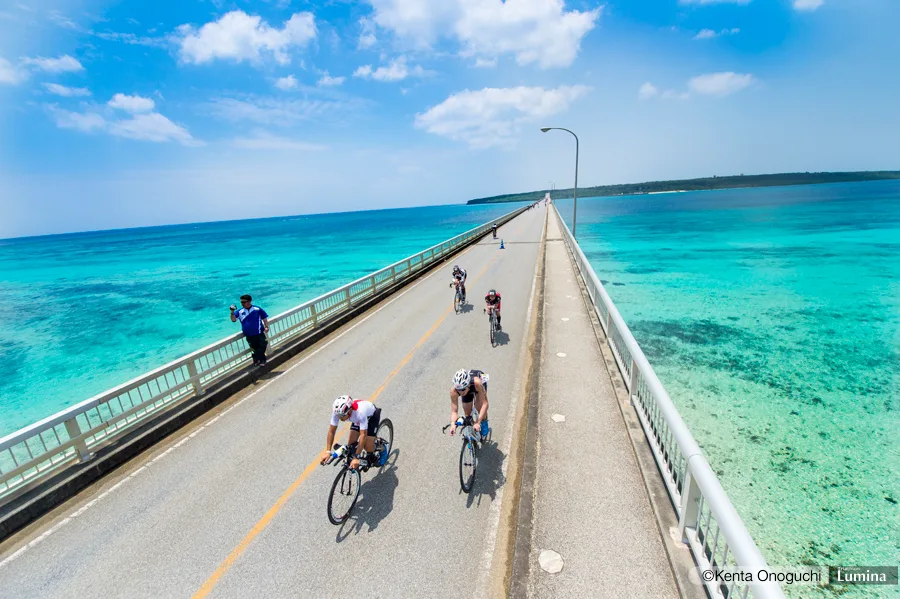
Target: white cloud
[(9, 74), (494, 116), (396, 70), (270, 111), (85, 122), (328, 81), (719, 84), (134, 40), (367, 37), (266, 141), (151, 127), (707, 34), (68, 92), (133, 104), (238, 36), (485, 63), (286, 83), (63, 64), (538, 32), (647, 91), (808, 5), (63, 21)]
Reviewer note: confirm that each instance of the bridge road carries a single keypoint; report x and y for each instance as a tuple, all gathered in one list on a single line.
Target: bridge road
[(233, 506)]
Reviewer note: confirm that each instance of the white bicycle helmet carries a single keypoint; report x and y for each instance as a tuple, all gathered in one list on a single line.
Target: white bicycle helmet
[(462, 380), (342, 406)]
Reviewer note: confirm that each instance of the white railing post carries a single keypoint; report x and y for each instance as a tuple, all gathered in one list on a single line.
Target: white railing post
[(195, 380), (632, 389), (690, 506), (74, 432), (313, 314)]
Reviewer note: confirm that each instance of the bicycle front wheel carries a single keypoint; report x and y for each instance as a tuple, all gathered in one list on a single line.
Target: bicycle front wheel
[(344, 493), (457, 303), (467, 465)]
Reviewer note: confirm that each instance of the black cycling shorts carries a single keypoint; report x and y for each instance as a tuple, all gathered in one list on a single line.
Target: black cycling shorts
[(469, 397), (374, 421)]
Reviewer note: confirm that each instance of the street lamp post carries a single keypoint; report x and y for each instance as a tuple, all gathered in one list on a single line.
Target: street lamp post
[(575, 189)]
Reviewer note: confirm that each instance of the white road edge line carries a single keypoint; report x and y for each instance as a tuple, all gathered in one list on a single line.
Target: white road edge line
[(484, 573), (85, 507)]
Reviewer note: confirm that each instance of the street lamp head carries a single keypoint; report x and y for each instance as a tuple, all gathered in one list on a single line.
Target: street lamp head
[(545, 129)]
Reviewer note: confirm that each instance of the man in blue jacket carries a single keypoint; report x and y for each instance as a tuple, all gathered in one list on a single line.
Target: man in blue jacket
[(255, 325)]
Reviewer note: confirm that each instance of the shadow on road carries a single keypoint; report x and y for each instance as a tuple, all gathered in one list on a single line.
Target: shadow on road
[(376, 500), (262, 373), (488, 475), (466, 308), (501, 338)]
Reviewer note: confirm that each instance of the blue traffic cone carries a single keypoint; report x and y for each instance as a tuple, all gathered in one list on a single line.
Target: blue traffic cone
[(502, 247)]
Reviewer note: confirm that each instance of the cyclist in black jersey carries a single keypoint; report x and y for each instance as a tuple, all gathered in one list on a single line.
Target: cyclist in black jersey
[(470, 386), (459, 278), (492, 302)]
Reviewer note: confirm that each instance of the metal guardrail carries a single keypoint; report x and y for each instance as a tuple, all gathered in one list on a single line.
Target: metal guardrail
[(707, 520), (68, 437)]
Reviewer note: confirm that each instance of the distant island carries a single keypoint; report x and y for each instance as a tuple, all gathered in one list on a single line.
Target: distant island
[(707, 183)]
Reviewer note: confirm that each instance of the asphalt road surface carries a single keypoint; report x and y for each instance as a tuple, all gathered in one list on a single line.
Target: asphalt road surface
[(235, 504)]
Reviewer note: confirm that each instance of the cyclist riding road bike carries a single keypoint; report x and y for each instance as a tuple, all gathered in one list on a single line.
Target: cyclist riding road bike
[(364, 419), (470, 386), (494, 230), (492, 302), (459, 278)]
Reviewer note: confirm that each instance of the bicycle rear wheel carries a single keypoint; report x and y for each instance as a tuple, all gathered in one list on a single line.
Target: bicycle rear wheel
[(344, 493), (467, 464), (386, 435)]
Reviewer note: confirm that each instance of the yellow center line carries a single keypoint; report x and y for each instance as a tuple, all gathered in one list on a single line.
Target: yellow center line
[(211, 582)]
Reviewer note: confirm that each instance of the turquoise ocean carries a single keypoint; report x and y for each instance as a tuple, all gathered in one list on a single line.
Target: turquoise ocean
[(772, 317), (87, 311)]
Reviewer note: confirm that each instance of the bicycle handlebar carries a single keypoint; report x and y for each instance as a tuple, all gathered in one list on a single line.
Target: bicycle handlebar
[(467, 421)]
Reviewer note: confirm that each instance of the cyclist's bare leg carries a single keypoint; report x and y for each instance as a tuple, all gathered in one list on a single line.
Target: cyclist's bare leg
[(467, 408), (354, 437), (482, 407)]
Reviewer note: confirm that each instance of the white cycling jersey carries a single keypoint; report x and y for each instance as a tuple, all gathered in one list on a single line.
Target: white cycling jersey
[(362, 410)]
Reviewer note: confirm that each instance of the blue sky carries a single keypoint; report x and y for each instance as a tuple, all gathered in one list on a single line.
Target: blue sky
[(119, 114)]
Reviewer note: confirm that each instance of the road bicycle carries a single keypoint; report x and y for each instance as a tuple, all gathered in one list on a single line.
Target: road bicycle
[(495, 326), (345, 489), (468, 460), (459, 299)]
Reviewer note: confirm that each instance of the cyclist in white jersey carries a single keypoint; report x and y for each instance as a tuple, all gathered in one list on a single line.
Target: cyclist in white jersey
[(364, 419), (470, 386)]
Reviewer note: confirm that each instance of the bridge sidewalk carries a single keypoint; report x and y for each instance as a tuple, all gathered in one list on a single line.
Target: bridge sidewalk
[(590, 503)]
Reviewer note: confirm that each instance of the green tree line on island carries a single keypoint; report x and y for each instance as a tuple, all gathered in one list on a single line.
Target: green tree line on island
[(704, 184)]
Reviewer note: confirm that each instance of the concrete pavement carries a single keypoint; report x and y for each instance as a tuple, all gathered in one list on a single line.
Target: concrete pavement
[(590, 503), (234, 507)]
